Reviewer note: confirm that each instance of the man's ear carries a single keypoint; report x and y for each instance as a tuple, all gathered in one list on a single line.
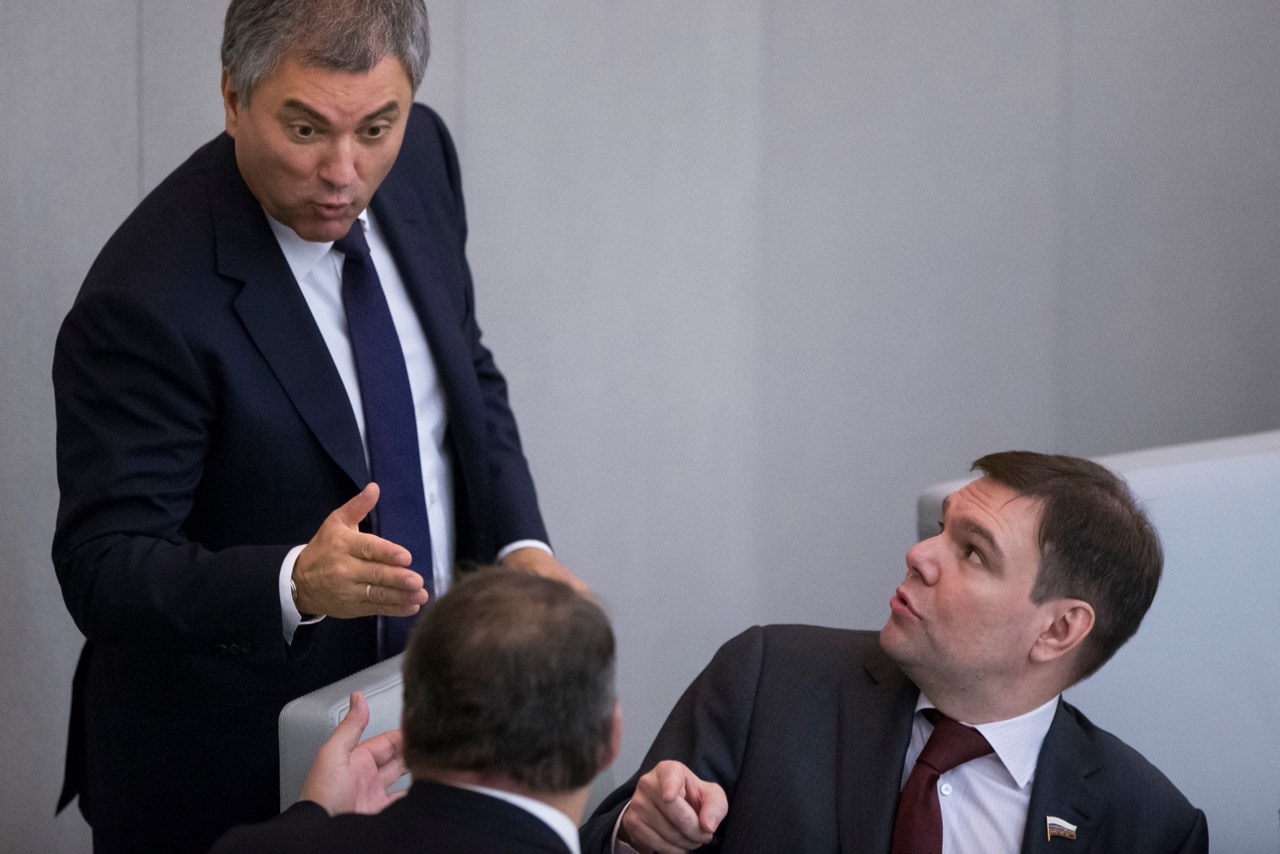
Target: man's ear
[(1070, 621), (609, 750), (230, 103)]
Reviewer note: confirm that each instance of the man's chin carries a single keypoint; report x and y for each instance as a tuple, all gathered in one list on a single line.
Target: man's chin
[(892, 639), (318, 223), (322, 230)]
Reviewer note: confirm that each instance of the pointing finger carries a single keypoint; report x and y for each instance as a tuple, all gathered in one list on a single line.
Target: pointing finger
[(375, 549), (396, 578)]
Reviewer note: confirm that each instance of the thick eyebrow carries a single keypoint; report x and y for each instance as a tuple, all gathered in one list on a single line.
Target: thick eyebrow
[(391, 109), (980, 533), (976, 531)]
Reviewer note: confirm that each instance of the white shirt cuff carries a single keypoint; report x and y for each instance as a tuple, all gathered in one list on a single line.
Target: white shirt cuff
[(616, 845), (525, 544), (290, 618)]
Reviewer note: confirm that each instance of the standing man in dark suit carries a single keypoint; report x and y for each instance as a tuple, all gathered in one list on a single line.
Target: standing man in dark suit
[(252, 506), (509, 712), (798, 738)]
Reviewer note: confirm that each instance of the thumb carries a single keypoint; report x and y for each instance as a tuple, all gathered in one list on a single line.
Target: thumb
[(353, 512), (348, 731), (713, 806)]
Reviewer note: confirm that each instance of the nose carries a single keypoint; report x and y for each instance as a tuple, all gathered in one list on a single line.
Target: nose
[(922, 560), (338, 166)]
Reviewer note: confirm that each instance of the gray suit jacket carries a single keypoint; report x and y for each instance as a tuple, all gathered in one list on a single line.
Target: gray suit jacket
[(807, 728)]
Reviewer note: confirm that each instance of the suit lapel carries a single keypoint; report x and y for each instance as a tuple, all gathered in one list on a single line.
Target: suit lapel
[(277, 317), (1062, 789), (874, 729), (425, 278)]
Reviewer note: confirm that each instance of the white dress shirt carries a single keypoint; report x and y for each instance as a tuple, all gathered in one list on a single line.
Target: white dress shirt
[(984, 802), (317, 268)]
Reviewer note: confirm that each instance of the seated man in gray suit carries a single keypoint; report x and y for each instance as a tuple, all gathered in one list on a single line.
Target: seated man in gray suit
[(509, 712), (947, 732)]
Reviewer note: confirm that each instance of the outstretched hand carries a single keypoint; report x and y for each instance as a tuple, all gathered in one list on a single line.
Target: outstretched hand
[(672, 810), (350, 775), (344, 572)]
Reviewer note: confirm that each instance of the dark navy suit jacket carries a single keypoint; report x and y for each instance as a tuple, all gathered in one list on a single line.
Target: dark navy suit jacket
[(203, 431), (431, 819), (807, 729)]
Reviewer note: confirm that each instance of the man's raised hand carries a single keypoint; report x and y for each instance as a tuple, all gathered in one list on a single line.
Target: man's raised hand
[(344, 572)]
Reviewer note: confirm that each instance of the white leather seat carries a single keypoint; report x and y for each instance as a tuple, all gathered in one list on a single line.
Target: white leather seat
[(306, 722)]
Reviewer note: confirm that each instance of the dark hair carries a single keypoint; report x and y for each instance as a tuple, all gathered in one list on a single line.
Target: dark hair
[(1096, 543), (341, 35), (511, 673)]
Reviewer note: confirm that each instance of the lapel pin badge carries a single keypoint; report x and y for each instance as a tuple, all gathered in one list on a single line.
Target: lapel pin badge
[(1059, 827)]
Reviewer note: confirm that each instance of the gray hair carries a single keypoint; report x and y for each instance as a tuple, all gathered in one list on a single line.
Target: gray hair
[(340, 35)]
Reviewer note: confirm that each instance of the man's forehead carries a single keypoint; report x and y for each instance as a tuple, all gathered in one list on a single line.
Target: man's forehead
[(1001, 509), (295, 69)]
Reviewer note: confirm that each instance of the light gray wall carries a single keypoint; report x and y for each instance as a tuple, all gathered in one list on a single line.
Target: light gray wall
[(69, 149), (756, 271)]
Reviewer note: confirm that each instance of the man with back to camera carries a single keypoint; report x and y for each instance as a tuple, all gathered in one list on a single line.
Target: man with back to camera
[(509, 712), (810, 739), (277, 424)]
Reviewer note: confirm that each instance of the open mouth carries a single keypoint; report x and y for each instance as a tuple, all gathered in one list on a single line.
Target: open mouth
[(899, 604)]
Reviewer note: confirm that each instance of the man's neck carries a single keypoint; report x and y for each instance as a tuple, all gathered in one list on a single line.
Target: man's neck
[(981, 704)]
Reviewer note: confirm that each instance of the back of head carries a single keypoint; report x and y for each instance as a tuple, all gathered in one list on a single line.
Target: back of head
[(1096, 543), (511, 674), (339, 35)]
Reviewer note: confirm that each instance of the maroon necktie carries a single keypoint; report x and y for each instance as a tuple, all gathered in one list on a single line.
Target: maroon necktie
[(390, 424), (918, 826)]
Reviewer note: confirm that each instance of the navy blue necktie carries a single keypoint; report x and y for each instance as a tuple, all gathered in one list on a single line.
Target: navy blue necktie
[(390, 424)]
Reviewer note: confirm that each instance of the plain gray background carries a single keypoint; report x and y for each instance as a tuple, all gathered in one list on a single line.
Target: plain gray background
[(757, 272)]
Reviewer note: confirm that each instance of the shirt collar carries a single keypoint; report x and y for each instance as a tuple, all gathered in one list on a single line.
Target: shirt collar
[(304, 255), (1016, 741), (558, 821)]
